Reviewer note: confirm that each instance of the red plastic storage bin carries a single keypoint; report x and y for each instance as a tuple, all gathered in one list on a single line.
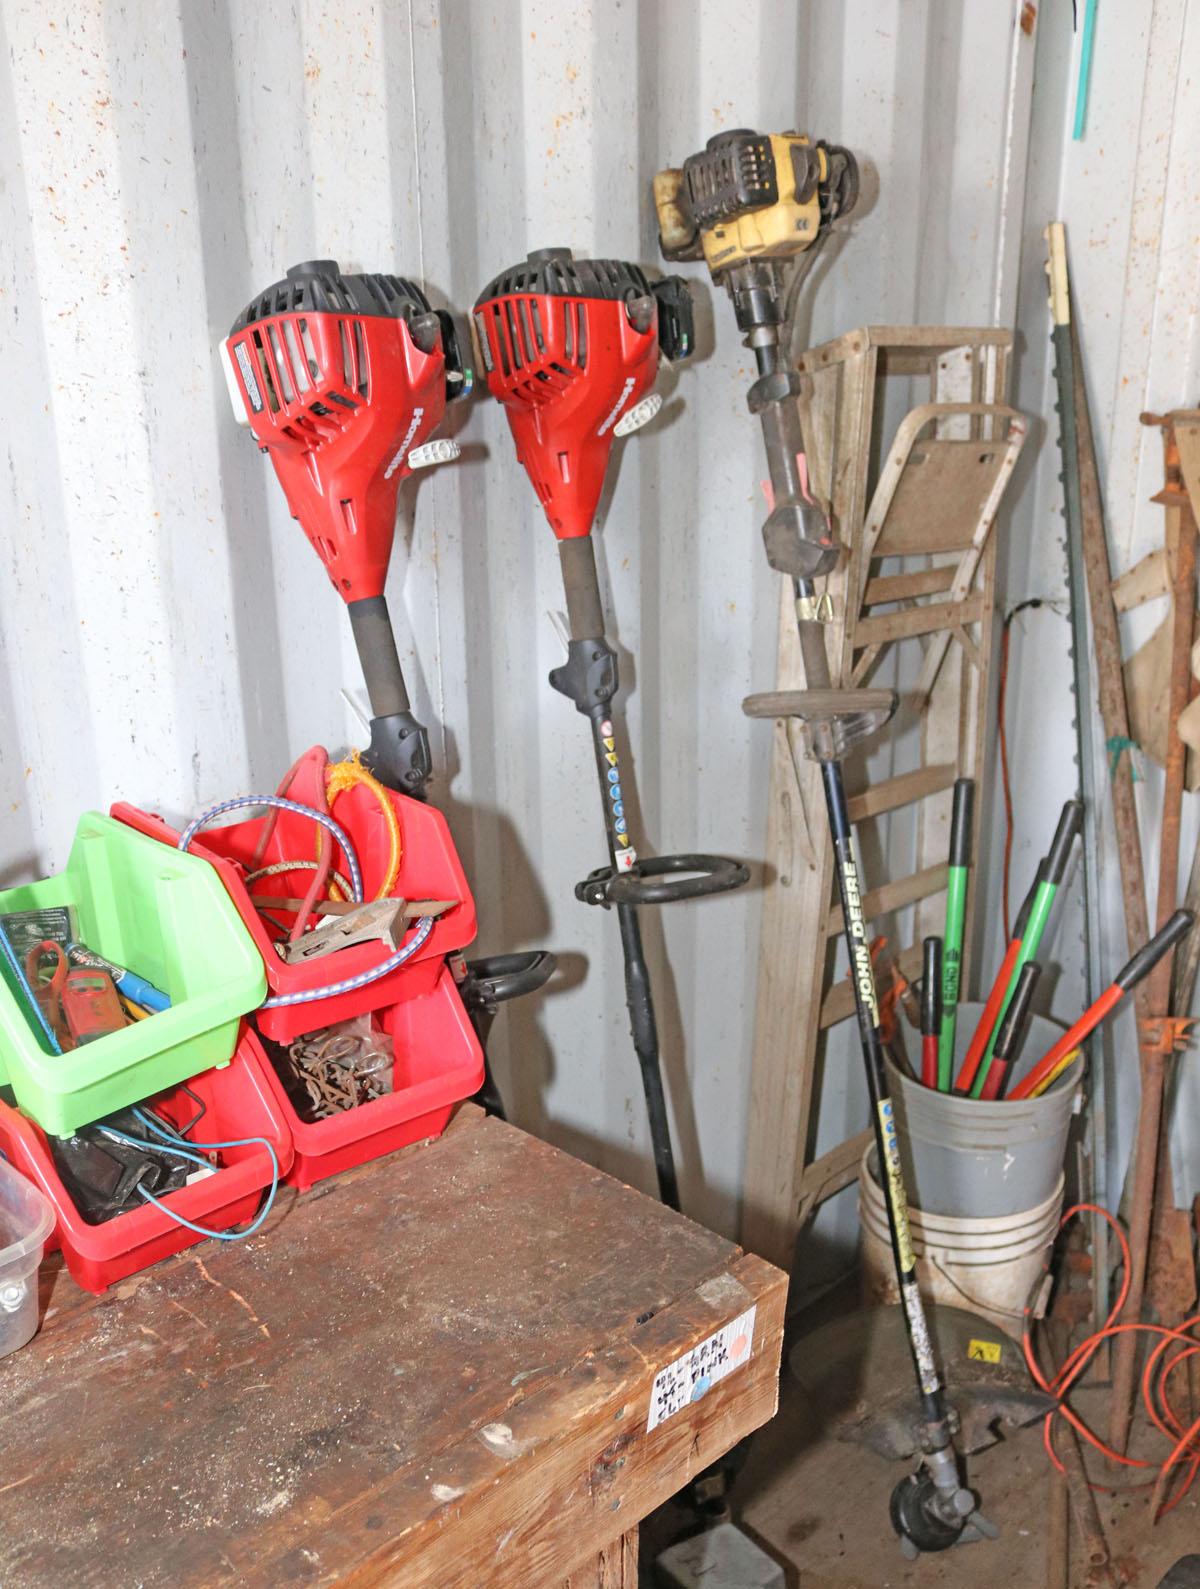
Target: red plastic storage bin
[(429, 869), (241, 1102), (438, 1062)]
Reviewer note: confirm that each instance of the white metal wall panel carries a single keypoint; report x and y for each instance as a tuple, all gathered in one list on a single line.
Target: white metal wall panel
[(167, 635), (1127, 192)]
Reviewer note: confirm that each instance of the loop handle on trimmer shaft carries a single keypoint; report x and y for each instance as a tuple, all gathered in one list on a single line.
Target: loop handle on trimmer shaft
[(497, 978), (662, 880)]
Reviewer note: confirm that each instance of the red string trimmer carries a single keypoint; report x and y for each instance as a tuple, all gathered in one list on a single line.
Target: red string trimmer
[(343, 380), (571, 348)]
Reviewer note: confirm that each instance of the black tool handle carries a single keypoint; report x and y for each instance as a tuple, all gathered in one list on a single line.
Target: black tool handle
[(1148, 956), (961, 822), (931, 988), (663, 879), (1069, 824), (497, 978), (1015, 1021)]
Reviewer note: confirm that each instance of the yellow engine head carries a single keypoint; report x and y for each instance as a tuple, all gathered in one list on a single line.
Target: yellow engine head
[(752, 195)]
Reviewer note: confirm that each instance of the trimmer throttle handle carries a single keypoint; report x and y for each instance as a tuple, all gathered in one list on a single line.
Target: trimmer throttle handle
[(662, 880), (498, 978)]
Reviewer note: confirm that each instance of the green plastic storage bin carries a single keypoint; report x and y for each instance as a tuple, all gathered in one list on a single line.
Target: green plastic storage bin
[(165, 915)]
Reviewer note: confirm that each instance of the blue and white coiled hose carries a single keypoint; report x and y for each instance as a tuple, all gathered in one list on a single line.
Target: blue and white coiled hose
[(349, 984)]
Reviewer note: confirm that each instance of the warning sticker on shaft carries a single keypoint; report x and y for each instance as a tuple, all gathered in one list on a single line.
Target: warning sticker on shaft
[(691, 1376)]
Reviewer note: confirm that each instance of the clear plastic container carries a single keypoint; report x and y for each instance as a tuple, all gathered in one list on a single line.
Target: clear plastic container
[(26, 1220)]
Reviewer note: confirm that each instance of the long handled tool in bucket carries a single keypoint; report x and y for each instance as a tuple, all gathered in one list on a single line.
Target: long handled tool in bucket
[(752, 206), (571, 348)]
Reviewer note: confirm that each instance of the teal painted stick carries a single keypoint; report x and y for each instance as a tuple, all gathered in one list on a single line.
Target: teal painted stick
[(1085, 68), (952, 938), (1055, 866)]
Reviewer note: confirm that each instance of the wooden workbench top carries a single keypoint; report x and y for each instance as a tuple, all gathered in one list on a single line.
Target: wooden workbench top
[(436, 1370)]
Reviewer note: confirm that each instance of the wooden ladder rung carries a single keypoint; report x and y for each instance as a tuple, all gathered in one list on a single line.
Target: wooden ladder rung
[(838, 1003), (903, 790), (903, 587), (901, 891), (937, 615)]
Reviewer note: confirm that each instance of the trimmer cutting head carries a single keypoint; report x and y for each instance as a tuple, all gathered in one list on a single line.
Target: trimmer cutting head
[(571, 348), (342, 379)]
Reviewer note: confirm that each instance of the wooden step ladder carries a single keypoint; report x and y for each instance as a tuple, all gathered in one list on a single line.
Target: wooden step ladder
[(913, 595)]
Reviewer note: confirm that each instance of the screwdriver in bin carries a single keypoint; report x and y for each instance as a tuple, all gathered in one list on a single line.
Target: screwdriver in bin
[(136, 989)]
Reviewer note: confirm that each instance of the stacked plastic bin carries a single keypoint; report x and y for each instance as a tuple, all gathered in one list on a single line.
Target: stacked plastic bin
[(168, 917), (186, 923), (437, 1056)]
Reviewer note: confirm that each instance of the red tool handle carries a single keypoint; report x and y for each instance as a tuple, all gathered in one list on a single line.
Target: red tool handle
[(1142, 963), (929, 1061), (931, 1010)]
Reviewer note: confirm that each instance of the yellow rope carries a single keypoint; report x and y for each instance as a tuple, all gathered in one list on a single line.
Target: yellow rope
[(343, 775)]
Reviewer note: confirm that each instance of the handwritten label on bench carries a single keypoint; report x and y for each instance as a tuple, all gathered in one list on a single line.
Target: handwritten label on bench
[(689, 1377)]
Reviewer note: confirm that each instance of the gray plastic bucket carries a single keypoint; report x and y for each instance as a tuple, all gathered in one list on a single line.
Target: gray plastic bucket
[(969, 1158)]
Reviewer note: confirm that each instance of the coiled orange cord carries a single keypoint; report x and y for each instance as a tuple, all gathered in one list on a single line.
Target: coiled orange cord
[(1155, 1381)]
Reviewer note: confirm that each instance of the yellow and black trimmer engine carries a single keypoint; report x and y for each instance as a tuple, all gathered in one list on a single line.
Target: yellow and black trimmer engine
[(751, 205), (751, 196)]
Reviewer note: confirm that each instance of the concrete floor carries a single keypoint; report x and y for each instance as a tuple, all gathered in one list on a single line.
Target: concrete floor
[(820, 1508)]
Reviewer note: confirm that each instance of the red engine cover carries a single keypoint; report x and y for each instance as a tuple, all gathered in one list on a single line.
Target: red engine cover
[(566, 370), (339, 402)]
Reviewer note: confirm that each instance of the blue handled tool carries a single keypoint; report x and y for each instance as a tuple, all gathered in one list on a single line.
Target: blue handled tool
[(136, 989)]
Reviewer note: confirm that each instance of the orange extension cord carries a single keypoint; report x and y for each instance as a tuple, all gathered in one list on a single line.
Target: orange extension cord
[(1155, 1382)]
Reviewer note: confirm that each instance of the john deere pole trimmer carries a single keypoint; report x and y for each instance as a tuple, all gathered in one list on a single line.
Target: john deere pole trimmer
[(753, 206)]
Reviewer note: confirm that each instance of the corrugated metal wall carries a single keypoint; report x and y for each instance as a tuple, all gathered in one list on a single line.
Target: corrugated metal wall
[(167, 635), (1128, 194)]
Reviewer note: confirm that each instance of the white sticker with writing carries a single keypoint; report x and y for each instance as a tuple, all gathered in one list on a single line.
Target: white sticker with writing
[(695, 1373)]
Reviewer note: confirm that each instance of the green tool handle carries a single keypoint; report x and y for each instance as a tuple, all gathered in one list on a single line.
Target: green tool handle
[(956, 909), (952, 939), (1043, 902)]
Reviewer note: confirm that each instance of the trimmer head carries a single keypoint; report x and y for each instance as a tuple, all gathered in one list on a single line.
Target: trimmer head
[(571, 348), (342, 379)]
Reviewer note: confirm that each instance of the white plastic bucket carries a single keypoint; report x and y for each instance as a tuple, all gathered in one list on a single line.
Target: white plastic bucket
[(987, 1265)]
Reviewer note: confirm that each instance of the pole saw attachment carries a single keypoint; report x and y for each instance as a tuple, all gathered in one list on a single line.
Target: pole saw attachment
[(571, 349), (755, 207), (343, 380)]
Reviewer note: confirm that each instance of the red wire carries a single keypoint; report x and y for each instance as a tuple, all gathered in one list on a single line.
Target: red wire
[(320, 876), (1154, 1383)]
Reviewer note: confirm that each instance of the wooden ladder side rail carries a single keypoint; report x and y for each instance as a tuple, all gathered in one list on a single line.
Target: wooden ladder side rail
[(794, 1005), (792, 964)]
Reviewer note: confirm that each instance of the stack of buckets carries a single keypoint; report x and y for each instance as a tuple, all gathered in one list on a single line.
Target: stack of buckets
[(986, 1183)]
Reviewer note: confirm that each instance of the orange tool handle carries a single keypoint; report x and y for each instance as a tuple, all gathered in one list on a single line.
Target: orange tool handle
[(1087, 1022), (1130, 974), (979, 1040)]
